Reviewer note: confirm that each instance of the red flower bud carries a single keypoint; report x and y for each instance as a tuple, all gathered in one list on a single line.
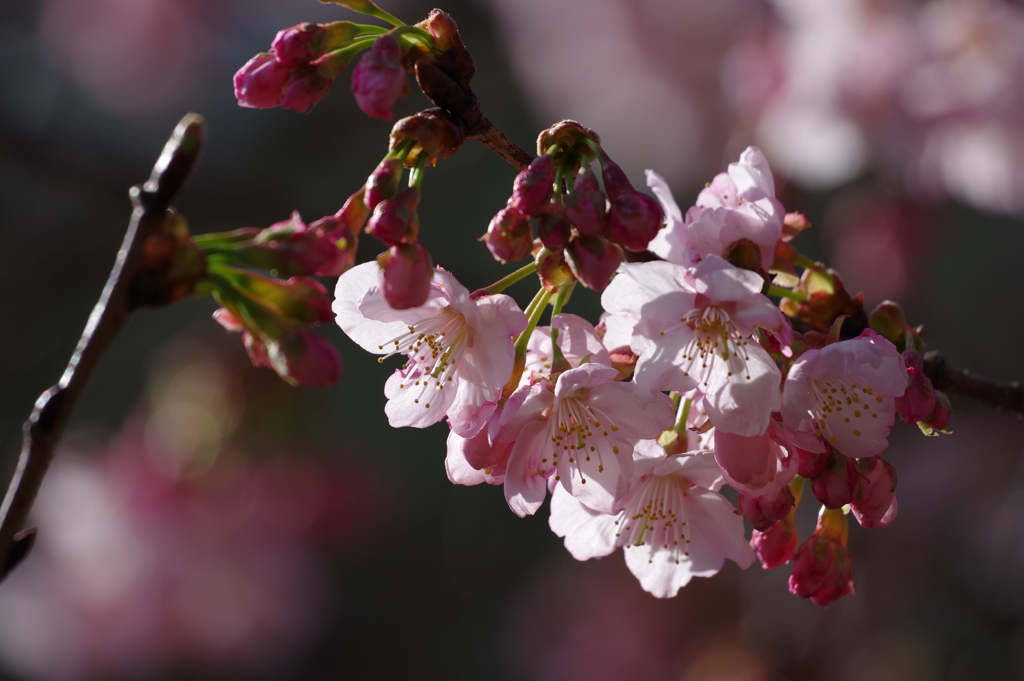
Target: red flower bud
[(938, 418), (383, 182), (307, 41), (585, 204), (408, 270), (260, 83), (874, 504), (553, 230), (394, 221), (593, 260), (822, 568), (533, 187), (776, 545), (301, 357), (836, 484), (616, 183), (634, 219), (763, 512), (378, 80), (509, 237)]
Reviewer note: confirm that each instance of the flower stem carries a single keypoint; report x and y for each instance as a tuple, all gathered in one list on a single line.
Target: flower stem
[(774, 290), (536, 310), (559, 362), (505, 282)]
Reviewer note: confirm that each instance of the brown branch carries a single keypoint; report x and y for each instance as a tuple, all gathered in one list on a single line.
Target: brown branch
[(1003, 395), (43, 429)]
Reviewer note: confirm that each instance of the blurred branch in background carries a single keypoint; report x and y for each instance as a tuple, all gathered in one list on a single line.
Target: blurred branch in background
[(53, 408)]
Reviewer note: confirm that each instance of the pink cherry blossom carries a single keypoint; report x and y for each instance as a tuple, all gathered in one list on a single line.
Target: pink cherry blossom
[(577, 339), (845, 393), (693, 328), (739, 204), (460, 350), (674, 525), (585, 440)]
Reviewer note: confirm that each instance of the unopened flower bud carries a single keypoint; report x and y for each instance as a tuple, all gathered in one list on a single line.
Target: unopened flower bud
[(776, 545), (552, 268), (407, 271), (793, 224), (763, 512), (443, 29), (624, 361), (616, 183), (918, 402), (228, 320), (437, 134), (745, 254), (307, 41), (634, 219), (585, 204), (383, 182), (822, 569), (509, 237), (874, 504), (394, 221), (533, 187), (809, 464), (553, 230), (301, 357), (888, 321), (304, 89), (593, 260), (349, 221), (260, 82), (378, 80), (940, 416), (836, 484)]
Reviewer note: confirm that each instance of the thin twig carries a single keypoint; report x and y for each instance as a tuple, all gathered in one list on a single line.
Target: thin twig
[(53, 408), (1003, 395)]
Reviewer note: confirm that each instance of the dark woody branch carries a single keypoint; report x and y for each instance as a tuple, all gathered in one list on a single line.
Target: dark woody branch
[(1003, 395), (43, 429)]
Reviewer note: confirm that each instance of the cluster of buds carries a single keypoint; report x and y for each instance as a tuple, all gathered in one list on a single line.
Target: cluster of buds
[(275, 312), (416, 141), (581, 229), (304, 61)]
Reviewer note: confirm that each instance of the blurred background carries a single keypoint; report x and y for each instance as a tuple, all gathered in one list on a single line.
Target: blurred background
[(203, 520)]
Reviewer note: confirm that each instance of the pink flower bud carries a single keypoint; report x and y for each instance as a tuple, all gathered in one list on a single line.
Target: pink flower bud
[(553, 230), (634, 219), (822, 569), (260, 83), (378, 80), (383, 182), (593, 260), (624, 361), (304, 89), (509, 237), (533, 187), (918, 402), (837, 483), (301, 357), (437, 134), (616, 183), (809, 464), (776, 545), (307, 41), (940, 416), (443, 30), (349, 221), (394, 221), (585, 204), (764, 512), (407, 269), (875, 501)]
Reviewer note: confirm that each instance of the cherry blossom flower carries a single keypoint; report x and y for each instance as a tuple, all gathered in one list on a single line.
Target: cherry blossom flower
[(693, 327), (845, 393), (577, 339), (674, 524), (586, 440), (739, 204), (460, 350)]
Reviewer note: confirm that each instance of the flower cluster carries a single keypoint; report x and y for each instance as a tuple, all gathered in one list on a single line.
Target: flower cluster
[(724, 356)]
